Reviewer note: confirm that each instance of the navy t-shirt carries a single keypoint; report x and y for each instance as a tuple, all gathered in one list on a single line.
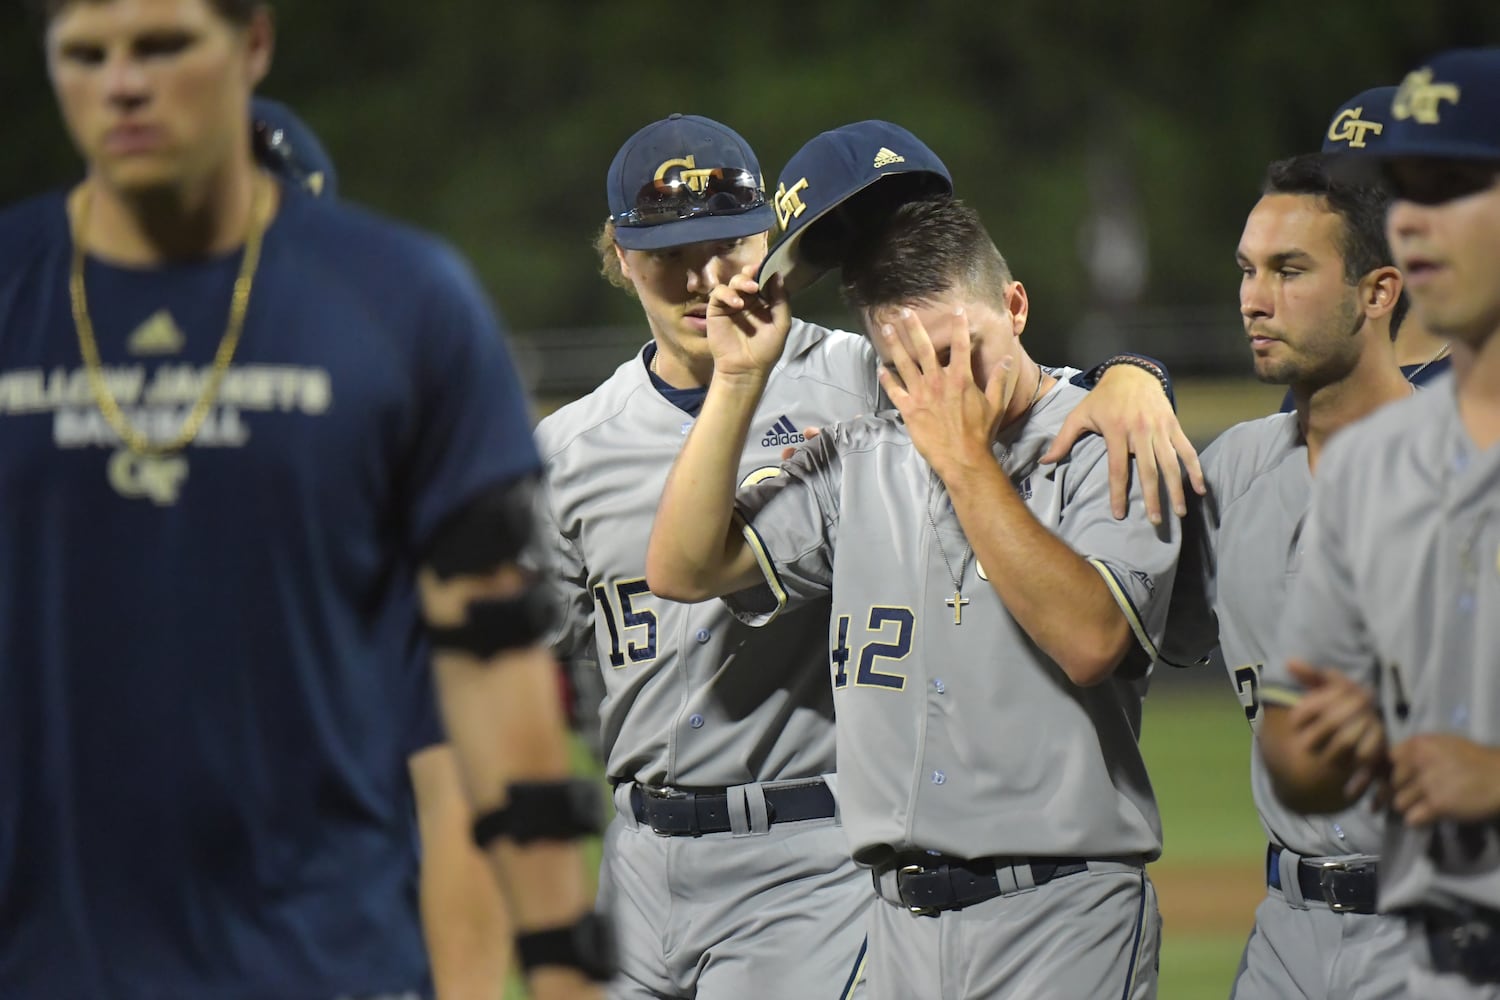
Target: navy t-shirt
[(206, 663)]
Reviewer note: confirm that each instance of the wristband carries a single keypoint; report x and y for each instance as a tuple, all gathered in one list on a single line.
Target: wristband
[(1090, 378)]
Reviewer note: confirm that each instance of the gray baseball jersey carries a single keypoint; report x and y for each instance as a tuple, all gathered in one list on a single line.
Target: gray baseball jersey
[(1400, 588), (692, 697), (1241, 550), (962, 738)]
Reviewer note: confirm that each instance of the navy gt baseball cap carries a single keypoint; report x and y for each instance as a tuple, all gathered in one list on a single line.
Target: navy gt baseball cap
[(686, 179), (1359, 125), (287, 147), (828, 194), (1448, 109)]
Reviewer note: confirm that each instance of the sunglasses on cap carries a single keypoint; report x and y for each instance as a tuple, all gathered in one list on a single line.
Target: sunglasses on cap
[(1432, 182), (716, 191)]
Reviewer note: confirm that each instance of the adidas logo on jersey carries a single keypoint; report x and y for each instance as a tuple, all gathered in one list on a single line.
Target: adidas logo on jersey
[(158, 335), (782, 433), (885, 157)]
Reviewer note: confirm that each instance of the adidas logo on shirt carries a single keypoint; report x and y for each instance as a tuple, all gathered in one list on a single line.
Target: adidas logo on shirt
[(885, 157), (782, 433), (158, 335)]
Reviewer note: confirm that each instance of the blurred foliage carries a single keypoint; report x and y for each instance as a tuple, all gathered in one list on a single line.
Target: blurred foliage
[(493, 123)]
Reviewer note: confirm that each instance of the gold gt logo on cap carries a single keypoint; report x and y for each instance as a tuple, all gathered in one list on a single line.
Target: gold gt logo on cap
[(1419, 97), (885, 156), (1351, 128), (789, 203), (687, 172)]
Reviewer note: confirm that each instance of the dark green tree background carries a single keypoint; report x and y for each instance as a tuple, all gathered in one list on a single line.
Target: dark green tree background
[(494, 122)]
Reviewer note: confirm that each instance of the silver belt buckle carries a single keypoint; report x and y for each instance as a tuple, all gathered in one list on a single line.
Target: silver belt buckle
[(1326, 869)]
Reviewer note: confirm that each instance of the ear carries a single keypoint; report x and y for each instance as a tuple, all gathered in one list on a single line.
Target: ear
[(624, 260), (1018, 305), (260, 43), (1379, 291)]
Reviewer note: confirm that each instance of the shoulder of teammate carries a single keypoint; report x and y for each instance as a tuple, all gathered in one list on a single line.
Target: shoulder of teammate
[(1361, 453), (469, 426), (559, 430), (40, 217), (835, 358), (30, 230), (1242, 452), (1135, 558), (388, 259), (819, 462)]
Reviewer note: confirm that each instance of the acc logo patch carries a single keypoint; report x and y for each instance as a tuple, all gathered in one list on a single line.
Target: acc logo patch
[(1419, 97), (1351, 128)]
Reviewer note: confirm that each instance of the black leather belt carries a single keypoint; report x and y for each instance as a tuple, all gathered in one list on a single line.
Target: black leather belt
[(672, 812), (1464, 942), (1346, 887), (933, 883)]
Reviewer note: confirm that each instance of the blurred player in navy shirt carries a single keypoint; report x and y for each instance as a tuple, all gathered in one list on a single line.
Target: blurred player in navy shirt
[(250, 440), (464, 921)]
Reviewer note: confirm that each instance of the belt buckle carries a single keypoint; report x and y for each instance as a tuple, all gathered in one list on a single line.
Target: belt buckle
[(1326, 882), (916, 911), (666, 794)]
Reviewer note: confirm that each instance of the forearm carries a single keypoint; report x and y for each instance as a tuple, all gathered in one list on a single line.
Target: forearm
[(695, 551), (1304, 781), (464, 919), (504, 719), (1053, 593)]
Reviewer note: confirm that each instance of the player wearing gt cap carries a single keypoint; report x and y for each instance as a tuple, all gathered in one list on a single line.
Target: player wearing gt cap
[(1318, 297), (725, 866), (1390, 665), (1357, 129), (992, 622)]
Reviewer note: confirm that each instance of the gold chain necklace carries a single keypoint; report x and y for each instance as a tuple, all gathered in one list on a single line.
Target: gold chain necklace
[(239, 304), (1430, 361)]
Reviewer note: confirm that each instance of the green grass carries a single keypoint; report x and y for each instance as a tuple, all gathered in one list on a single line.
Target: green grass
[(1198, 966), (1197, 748)]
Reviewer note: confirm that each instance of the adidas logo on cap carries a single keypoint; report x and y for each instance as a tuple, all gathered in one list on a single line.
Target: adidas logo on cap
[(782, 433), (885, 157)]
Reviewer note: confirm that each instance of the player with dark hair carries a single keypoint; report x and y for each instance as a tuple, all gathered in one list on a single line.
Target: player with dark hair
[(1357, 129), (726, 867), (1318, 296), (1390, 654), (249, 440), (992, 622)]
